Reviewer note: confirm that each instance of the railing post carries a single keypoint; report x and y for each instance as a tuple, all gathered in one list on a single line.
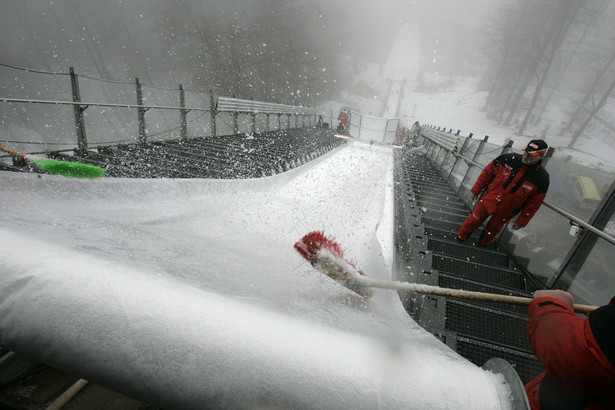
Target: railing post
[(582, 248), (548, 155), (82, 142), (235, 115), (288, 123), (182, 114), (253, 119), (460, 153), (268, 122), (506, 148), (140, 112), (212, 112), (481, 145)]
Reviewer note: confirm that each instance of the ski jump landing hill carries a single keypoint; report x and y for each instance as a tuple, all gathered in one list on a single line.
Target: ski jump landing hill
[(187, 293)]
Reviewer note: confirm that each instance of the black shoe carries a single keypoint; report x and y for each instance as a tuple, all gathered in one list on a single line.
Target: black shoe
[(480, 238), (458, 239)]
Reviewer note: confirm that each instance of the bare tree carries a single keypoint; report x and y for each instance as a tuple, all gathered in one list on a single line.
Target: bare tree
[(564, 17), (590, 92), (591, 115)]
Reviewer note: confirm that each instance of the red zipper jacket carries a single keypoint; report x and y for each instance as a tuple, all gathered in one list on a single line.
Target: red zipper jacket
[(509, 186), (578, 355)]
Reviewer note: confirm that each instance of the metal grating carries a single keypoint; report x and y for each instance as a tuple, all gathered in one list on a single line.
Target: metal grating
[(478, 330), (469, 253), (450, 206), (445, 216), (526, 365), (443, 225), (234, 156), (436, 233), (452, 282), (481, 273), (487, 324)]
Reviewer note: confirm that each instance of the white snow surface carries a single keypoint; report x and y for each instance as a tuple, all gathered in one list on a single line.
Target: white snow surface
[(189, 294)]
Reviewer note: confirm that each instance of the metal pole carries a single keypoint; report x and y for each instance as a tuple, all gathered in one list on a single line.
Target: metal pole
[(82, 142), (465, 142), (182, 114), (235, 121), (253, 119), (212, 112), (506, 148), (582, 248), (140, 112), (479, 150)]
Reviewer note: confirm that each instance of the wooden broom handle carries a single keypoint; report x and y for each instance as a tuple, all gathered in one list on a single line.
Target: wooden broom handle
[(457, 293)]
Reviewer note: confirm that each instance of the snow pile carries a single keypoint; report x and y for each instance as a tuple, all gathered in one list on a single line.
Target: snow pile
[(189, 293)]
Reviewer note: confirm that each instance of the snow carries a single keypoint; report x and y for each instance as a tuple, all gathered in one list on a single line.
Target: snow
[(189, 292), (186, 292)]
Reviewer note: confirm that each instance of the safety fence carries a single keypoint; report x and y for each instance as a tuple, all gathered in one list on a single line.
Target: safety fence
[(569, 242), (377, 129), (46, 111)]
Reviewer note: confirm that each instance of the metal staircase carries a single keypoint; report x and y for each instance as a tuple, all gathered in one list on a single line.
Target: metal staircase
[(429, 216), (225, 157)]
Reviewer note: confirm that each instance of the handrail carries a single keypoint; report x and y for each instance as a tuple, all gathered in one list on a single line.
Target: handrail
[(82, 103), (555, 208), (228, 104)]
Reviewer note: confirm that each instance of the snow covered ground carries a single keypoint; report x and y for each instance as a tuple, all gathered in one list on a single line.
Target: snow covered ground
[(461, 108), (185, 292)]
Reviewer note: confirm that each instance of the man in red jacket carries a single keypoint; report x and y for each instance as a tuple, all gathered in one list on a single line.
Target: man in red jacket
[(511, 184), (577, 353)]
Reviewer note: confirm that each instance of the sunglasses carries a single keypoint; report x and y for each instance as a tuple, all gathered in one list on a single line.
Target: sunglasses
[(536, 153)]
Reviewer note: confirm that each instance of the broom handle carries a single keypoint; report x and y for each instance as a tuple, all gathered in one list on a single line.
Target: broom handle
[(458, 293), (12, 151)]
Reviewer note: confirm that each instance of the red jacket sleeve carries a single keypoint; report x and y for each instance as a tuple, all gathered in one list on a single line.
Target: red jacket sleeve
[(530, 208), (566, 347), (484, 179)]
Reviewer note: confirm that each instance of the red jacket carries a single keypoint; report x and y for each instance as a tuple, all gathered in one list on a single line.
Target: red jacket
[(510, 187), (578, 355)]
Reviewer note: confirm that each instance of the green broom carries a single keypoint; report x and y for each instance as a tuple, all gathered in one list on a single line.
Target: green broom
[(65, 168)]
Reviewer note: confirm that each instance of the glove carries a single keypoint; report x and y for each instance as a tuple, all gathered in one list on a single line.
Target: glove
[(565, 297)]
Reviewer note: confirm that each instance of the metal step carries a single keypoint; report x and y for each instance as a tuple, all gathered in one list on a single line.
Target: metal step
[(481, 322), (445, 216), (478, 352), (455, 282), (478, 330), (480, 272), (469, 253)]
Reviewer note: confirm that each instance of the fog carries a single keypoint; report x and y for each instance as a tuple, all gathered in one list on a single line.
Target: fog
[(546, 65), (166, 43)]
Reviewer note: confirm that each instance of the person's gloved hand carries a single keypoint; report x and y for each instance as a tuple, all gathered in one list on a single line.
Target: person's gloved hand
[(564, 296)]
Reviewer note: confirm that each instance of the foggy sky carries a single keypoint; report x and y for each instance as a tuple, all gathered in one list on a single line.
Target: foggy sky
[(46, 35)]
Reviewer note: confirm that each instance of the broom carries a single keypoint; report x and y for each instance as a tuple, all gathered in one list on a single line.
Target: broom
[(327, 257), (55, 167)]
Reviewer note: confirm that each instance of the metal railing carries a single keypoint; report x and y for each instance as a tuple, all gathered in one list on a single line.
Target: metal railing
[(244, 114), (461, 159)]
